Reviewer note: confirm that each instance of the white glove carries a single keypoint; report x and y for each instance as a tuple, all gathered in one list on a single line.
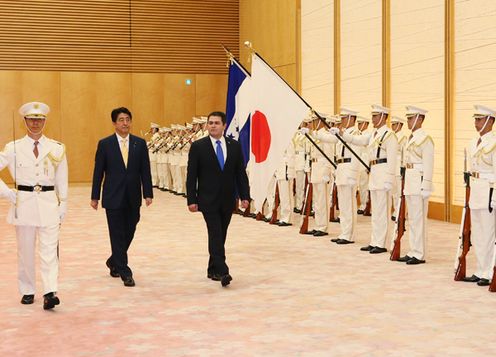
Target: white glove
[(304, 131), (388, 186), (326, 178), (62, 210), (493, 202), (10, 194), (425, 194), (351, 181), (334, 131)]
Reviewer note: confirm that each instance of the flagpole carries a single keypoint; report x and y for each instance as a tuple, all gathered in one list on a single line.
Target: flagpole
[(316, 113), (322, 152), (233, 58)]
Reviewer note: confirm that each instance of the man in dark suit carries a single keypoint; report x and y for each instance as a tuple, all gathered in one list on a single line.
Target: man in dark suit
[(123, 159), (215, 173)]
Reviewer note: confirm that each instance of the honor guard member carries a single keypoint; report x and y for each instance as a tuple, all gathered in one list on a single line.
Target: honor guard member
[(39, 167), (320, 175), (301, 157), (185, 146), (397, 124), (154, 130), (418, 159), (382, 147), (161, 159), (285, 175), (346, 176), (363, 176), (482, 164), (174, 158)]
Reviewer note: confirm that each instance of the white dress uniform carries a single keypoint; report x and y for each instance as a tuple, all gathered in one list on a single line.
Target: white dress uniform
[(402, 139), (153, 156), (301, 157), (363, 176), (482, 164), (419, 164), (285, 174), (382, 147), (42, 184), (320, 175), (346, 182)]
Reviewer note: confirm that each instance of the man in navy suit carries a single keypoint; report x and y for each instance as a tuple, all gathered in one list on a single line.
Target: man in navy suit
[(123, 160), (215, 173)]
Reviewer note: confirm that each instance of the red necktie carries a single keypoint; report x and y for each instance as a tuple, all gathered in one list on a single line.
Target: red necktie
[(35, 150)]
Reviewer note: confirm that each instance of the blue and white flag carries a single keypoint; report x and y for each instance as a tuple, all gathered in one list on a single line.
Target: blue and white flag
[(238, 107)]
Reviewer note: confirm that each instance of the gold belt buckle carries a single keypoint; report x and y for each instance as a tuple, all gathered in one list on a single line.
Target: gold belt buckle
[(37, 188), (475, 174), (409, 166), (373, 162)]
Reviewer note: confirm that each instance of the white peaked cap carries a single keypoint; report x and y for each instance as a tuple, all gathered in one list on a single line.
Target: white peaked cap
[(203, 120), (483, 111), (166, 129), (395, 119), (189, 126), (196, 120), (413, 110), (347, 111), (161, 130), (154, 125), (34, 110), (174, 126), (180, 127), (379, 109), (361, 119)]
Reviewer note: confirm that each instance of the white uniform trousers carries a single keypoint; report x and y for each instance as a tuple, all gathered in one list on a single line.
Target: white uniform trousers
[(183, 170), (483, 223), (320, 206), (363, 188), (381, 222), (285, 199), (417, 208), (271, 197), (347, 211), (160, 174), (48, 238), (178, 180), (167, 176), (153, 171), (396, 197), (299, 188)]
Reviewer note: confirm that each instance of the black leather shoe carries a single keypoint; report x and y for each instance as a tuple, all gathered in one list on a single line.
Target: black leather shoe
[(27, 299), (471, 279), (296, 210), (483, 282), (360, 211), (312, 232), (320, 234), (404, 259), (49, 301), (284, 224), (344, 241), (226, 280), (335, 240), (312, 214), (377, 250), (128, 281), (415, 261), (214, 277), (113, 272), (336, 220), (367, 248), (393, 218)]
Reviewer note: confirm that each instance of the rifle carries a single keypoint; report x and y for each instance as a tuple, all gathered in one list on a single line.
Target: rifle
[(307, 207), (368, 206), (277, 201), (492, 287), (334, 204), (400, 220), (464, 236)]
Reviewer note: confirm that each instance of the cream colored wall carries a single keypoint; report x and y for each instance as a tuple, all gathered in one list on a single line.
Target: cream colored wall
[(81, 103), (361, 59), (317, 54), (417, 71), (475, 75), (271, 26)]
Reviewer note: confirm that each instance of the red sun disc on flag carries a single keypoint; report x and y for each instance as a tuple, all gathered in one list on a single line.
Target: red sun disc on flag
[(260, 136)]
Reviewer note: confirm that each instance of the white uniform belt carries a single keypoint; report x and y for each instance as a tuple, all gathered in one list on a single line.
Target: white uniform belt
[(419, 167), (483, 175)]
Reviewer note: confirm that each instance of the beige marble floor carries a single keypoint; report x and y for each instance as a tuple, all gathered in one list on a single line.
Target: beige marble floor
[(292, 295)]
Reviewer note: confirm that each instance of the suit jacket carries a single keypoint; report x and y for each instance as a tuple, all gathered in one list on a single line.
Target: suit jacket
[(121, 186), (209, 186)]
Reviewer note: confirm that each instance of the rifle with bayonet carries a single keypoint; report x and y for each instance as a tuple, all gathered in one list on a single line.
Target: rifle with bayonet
[(465, 226)]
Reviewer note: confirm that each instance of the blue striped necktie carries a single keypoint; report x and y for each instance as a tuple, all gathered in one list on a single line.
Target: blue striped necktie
[(220, 154)]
